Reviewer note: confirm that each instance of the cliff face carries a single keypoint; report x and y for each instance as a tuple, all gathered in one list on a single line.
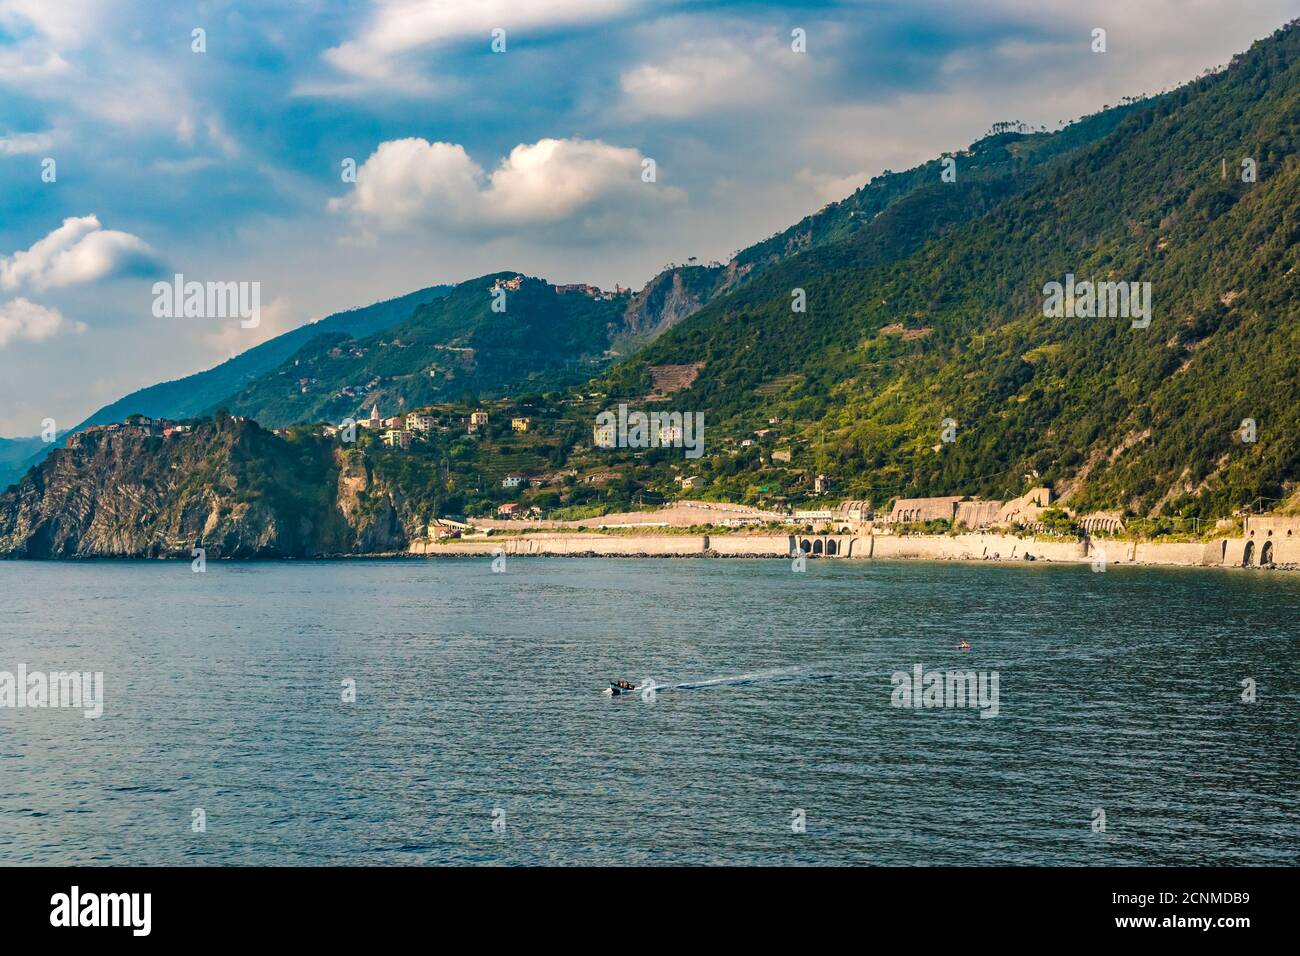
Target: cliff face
[(372, 511), (668, 298), (229, 487)]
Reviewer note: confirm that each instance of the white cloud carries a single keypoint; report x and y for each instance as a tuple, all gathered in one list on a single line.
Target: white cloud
[(21, 320), (830, 187), (79, 251), (47, 30), (81, 55), (554, 178), (587, 186), (67, 22), (706, 76), (407, 180), (27, 64), (23, 144), (400, 27)]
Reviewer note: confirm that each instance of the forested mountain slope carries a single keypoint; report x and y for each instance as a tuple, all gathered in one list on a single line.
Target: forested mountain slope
[(1143, 418)]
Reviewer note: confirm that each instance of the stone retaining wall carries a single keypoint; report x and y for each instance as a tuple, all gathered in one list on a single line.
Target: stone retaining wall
[(1223, 552)]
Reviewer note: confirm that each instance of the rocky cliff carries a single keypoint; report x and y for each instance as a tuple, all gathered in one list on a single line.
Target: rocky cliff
[(668, 298), (228, 486)]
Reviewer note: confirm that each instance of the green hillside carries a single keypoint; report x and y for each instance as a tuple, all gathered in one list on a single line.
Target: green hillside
[(926, 314), (449, 348), (195, 393), (1011, 151)]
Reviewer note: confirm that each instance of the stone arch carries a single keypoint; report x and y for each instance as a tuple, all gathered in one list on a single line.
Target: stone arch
[(830, 546), (1266, 554), (817, 546), (805, 546), (1249, 556)]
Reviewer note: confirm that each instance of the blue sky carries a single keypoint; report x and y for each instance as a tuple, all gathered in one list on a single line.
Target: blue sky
[(226, 164)]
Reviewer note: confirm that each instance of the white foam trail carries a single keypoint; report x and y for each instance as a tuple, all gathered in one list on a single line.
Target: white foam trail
[(736, 679), (786, 673)]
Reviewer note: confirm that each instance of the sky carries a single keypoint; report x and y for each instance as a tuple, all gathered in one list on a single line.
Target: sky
[(341, 153)]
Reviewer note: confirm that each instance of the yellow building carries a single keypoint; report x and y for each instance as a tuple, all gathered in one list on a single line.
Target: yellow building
[(520, 424)]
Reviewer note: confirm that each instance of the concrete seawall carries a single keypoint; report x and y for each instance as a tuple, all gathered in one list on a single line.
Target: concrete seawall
[(976, 547), (668, 545), (1224, 552)]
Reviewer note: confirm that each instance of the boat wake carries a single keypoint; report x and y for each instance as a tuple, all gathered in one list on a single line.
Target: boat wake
[(784, 675)]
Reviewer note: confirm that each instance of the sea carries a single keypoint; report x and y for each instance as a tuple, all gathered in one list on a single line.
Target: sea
[(453, 711)]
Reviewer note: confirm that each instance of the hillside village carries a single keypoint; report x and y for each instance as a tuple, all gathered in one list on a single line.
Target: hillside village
[(135, 424), (540, 465), (515, 448)]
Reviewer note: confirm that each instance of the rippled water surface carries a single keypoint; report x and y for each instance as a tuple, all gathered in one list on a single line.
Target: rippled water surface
[(480, 693)]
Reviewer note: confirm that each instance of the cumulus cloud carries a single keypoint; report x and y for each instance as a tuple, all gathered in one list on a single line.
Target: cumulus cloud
[(25, 321), (589, 187), (79, 251)]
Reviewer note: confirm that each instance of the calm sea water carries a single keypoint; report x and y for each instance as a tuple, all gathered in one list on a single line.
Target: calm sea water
[(480, 694)]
